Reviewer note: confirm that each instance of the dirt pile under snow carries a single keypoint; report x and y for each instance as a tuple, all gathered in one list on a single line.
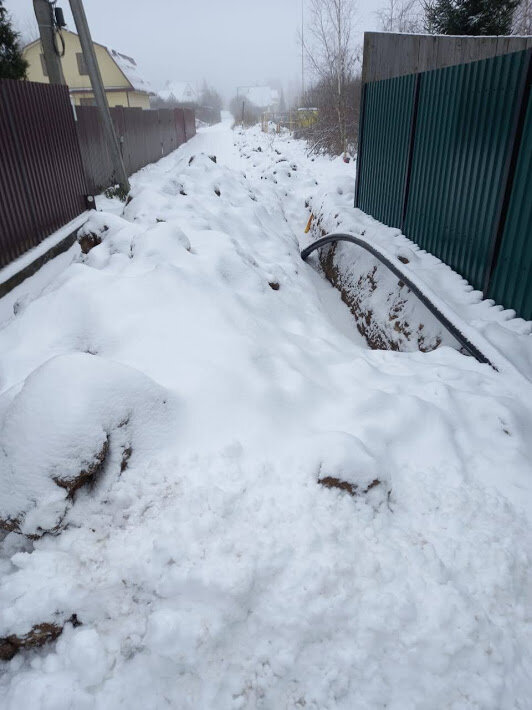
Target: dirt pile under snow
[(71, 417)]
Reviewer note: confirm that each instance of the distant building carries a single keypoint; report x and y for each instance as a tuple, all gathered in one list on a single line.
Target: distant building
[(123, 83), (263, 97), (179, 92)]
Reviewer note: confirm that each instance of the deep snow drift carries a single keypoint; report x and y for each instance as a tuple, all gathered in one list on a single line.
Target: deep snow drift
[(213, 571)]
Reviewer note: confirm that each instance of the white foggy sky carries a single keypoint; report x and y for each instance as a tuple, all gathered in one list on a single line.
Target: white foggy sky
[(227, 42)]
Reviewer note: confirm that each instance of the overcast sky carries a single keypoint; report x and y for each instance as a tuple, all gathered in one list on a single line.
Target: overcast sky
[(229, 43)]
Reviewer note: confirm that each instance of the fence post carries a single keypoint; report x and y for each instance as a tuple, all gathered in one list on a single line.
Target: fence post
[(89, 54), (410, 157), (360, 140), (509, 170)]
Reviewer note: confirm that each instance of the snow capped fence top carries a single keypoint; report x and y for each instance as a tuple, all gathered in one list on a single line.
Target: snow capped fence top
[(446, 156), (52, 157)]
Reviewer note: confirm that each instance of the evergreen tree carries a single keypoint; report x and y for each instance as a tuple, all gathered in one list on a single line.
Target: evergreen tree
[(470, 17), (12, 63)]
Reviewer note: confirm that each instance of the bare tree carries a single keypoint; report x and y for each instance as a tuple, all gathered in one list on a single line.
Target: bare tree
[(401, 16), (522, 21), (331, 55)]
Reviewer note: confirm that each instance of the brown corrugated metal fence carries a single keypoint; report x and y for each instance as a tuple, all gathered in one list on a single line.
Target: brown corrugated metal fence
[(180, 125), (42, 185), (145, 136), (190, 123), (53, 155)]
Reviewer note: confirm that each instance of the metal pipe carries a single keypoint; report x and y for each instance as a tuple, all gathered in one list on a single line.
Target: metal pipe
[(466, 344)]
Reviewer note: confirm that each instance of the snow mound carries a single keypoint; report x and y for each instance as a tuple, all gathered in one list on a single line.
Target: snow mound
[(56, 432), (340, 455)]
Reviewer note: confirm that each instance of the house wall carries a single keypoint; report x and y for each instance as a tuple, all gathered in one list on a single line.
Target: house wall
[(133, 99), (112, 76)]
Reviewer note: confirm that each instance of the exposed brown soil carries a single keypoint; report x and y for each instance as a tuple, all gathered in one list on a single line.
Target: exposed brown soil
[(38, 636), (351, 488), (353, 295), (71, 485), (126, 455), (89, 241)]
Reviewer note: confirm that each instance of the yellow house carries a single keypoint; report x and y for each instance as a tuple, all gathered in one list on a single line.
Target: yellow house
[(123, 85)]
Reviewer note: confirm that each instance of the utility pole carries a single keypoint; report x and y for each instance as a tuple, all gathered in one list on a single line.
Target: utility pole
[(44, 15), (95, 77), (302, 52)]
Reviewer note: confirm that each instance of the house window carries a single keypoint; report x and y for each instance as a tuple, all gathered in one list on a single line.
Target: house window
[(43, 65), (82, 67), (87, 102)]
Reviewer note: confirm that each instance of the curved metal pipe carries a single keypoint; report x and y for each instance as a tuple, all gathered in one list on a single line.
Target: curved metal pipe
[(466, 344)]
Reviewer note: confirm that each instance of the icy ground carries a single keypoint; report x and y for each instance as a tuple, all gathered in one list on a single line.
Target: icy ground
[(214, 571)]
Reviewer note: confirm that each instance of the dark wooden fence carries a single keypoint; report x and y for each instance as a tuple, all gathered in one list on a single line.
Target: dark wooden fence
[(42, 184), (52, 157)]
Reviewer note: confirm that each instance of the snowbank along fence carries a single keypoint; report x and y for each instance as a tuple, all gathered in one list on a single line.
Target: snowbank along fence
[(446, 156), (52, 157)]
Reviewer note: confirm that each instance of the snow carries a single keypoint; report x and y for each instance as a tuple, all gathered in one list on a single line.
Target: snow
[(33, 254), (508, 337), (214, 571), (179, 91), (261, 96), (54, 427), (129, 67)]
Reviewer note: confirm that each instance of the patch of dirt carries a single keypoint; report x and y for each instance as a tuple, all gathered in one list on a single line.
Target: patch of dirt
[(39, 635), (357, 297), (89, 241), (85, 476), (126, 455), (351, 488)]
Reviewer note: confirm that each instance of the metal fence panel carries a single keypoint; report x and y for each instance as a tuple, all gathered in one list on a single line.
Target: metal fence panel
[(41, 173), (153, 140), (94, 152), (463, 138), (180, 126), (388, 110), (511, 283), (167, 130), (145, 136), (190, 123), (53, 156)]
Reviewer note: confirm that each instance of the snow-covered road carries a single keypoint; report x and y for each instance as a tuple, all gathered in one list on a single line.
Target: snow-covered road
[(214, 571)]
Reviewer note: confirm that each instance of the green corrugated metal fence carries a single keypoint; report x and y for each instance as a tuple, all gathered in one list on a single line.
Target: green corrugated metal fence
[(388, 107), (450, 164), (511, 282)]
